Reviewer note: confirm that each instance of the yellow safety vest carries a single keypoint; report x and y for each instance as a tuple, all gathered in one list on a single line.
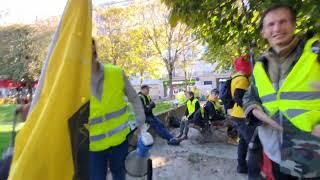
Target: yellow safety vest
[(295, 100), (108, 120), (144, 99), (191, 105)]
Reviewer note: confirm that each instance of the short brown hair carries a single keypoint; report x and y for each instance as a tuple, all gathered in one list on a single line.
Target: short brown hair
[(191, 93), (275, 7)]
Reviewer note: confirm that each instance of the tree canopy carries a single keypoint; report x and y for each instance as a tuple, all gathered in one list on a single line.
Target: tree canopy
[(23, 49), (235, 23), (140, 39)]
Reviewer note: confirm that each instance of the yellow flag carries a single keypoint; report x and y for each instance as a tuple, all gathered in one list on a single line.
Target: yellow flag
[(43, 148)]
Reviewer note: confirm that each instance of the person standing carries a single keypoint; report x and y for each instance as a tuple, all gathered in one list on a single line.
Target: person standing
[(281, 96), (108, 119), (245, 129)]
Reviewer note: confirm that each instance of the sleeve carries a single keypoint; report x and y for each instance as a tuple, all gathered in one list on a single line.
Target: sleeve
[(209, 109), (152, 105), (135, 100), (251, 100), (187, 112), (238, 95), (197, 106), (241, 82)]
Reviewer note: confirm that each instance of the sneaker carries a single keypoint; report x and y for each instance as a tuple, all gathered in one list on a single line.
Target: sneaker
[(232, 141), (183, 137), (179, 136), (242, 170), (174, 142)]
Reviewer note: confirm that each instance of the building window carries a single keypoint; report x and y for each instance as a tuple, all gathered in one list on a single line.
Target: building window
[(207, 82)]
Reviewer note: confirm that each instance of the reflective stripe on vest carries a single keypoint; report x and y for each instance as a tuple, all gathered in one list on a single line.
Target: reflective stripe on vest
[(108, 119), (144, 99), (191, 105), (108, 116), (110, 133), (295, 99)]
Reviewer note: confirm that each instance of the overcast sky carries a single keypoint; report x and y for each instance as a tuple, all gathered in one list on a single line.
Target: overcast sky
[(26, 11)]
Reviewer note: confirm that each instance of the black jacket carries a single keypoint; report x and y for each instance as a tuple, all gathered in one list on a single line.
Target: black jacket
[(210, 112), (148, 105)]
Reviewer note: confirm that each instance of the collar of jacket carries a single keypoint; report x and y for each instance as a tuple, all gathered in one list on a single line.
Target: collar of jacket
[(299, 48)]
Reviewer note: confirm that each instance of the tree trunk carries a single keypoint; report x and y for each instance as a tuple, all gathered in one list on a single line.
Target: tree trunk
[(170, 83), (141, 78), (29, 86), (185, 80)]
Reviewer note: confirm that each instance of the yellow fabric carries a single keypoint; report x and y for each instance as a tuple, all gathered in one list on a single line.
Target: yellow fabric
[(43, 148), (144, 99), (265, 88), (191, 105), (215, 101), (113, 99), (240, 82), (2, 100), (298, 80), (181, 97)]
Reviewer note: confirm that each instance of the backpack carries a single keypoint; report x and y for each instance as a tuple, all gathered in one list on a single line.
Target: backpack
[(174, 122), (226, 96)]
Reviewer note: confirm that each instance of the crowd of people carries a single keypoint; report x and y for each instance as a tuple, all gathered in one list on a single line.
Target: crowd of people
[(15, 98)]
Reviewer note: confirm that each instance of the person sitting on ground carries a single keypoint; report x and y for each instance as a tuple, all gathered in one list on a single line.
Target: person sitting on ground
[(212, 109), (192, 115), (154, 122)]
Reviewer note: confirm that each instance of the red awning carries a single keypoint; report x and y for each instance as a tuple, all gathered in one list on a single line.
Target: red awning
[(10, 84)]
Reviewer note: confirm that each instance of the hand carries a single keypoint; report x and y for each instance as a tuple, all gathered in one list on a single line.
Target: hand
[(138, 131), (184, 118), (266, 119), (316, 131)]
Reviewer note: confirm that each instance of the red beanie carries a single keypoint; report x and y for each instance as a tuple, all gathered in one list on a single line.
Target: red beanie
[(242, 64)]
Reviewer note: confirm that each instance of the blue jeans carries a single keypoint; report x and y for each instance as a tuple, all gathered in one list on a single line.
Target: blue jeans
[(156, 124), (115, 157)]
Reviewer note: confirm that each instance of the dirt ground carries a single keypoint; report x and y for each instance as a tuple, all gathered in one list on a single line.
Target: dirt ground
[(215, 160)]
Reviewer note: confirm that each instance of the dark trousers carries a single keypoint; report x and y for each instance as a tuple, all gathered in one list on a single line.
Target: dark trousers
[(245, 132), (156, 124), (114, 157), (278, 175)]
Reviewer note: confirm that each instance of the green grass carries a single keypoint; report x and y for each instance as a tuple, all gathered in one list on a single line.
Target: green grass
[(6, 117), (7, 112), (4, 141), (5, 135), (162, 107)]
